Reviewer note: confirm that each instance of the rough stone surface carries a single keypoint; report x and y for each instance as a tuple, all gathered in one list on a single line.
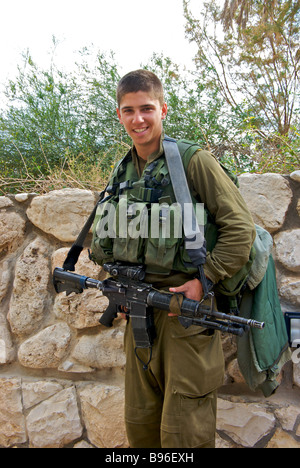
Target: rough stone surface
[(55, 422), (283, 440), (30, 289), (298, 207), (234, 371), (245, 424), (7, 351), (62, 213), (287, 245), (102, 408), (101, 351), (295, 176), (288, 417), (80, 311), (35, 392), (5, 202), (12, 421), (12, 230), (47, 348), (5, 278), (268, 197), (289, 289), (62, 373)]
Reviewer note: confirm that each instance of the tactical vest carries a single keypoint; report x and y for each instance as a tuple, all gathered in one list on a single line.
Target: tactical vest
[(123, 225)]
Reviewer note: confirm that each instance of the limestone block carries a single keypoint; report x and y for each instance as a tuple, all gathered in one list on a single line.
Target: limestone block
[(7, 351), (55, 422), (246, 424), (229, 346), (295, 176), (287, 248), (268, 197), (62, 213), (103, 414), (30, 294), (287, 416), (70, 365), (289, 289), (223, 444), (5, 278), (12, 230), (5, 202), (47, 348), (234, 371), (21, 197), (36, 392), (12, 421), (282, 440), (82, 444), (80, 310), (101, 351)]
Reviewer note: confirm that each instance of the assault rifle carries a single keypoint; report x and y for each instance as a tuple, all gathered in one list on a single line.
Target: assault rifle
[(127, 293)]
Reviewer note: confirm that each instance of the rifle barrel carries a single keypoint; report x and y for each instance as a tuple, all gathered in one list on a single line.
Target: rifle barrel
[(194, 309)]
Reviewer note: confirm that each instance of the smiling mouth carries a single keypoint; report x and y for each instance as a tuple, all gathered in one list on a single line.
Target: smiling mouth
[(140, 130)]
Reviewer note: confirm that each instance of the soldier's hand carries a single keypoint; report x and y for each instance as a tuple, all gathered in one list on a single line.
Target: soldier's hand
[(191, 289)]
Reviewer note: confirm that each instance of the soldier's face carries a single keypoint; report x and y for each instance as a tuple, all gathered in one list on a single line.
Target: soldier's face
[(142, 116)]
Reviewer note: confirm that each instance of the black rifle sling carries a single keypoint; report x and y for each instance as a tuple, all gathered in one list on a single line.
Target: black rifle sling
[(77, 247)]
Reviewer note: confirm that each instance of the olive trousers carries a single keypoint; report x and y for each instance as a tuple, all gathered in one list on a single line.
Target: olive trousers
[(172, 403)]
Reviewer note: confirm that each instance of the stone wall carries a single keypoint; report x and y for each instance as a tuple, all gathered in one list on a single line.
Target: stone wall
[(61, 373)]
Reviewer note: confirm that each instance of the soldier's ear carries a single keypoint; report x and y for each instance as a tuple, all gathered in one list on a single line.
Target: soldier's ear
[(119, 116), (164, 111)]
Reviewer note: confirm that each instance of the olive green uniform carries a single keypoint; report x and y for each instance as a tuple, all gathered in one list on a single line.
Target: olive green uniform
[(172, 403)]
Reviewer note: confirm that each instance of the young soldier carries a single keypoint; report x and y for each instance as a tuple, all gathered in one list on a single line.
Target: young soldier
[(171, 401)]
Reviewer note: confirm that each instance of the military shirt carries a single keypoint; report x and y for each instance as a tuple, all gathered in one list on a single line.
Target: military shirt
[(209, 184)]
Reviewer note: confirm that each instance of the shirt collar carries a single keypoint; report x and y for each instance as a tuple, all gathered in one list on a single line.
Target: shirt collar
[(152, 156)]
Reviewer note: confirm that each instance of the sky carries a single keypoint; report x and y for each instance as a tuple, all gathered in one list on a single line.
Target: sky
[(134, 30)]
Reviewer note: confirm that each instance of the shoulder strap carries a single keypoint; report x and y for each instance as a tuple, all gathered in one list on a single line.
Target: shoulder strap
[(180, 186), (195, 243)]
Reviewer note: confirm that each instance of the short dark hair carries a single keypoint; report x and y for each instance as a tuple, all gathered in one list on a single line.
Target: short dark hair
[(140, 80)]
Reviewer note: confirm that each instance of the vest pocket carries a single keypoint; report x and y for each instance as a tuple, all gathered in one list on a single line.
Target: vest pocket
[(163, 240), (128, 250), (104, 232), (102, 251), (132, 228), (160, 255)]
